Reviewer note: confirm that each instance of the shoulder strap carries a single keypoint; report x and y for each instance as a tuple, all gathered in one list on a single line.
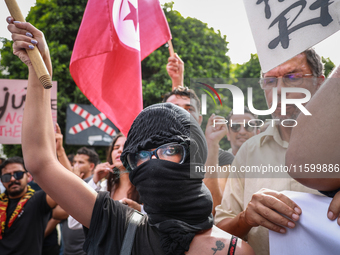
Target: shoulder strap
[(129, 237)]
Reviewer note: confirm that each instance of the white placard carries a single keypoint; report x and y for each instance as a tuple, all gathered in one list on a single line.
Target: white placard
[(284, 28), (314, 233)]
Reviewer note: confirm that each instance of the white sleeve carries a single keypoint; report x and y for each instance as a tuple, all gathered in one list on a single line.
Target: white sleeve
[(73, 223), (94, 186), (142, 210)]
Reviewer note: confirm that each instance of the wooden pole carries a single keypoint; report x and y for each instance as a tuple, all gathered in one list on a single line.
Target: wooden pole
[(34, 55), (171, 49)]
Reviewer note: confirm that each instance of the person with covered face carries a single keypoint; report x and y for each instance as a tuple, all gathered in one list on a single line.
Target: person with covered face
[(158, 157)]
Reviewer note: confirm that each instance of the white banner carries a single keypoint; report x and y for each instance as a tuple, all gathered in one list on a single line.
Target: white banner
[(282, 29)]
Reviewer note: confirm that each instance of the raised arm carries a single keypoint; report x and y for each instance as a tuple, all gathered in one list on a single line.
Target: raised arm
[(175, 69), (213, 135), (61, 154), (38, 142)]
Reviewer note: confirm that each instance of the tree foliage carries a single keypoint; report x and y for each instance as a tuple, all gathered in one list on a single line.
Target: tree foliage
[(201, 48)]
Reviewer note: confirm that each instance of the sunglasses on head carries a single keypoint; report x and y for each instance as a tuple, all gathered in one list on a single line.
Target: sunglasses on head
[(17, 175), (237, 127)]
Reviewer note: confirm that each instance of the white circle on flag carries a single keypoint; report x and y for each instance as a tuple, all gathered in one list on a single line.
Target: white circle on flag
[(126, 23)]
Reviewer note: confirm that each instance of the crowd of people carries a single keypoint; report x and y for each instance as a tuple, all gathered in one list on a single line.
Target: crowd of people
[(146, 184)]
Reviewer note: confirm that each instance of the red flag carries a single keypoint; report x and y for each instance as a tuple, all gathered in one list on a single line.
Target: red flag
[(114, 36)]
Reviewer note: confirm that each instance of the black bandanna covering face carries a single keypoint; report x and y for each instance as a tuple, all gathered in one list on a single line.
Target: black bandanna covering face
[(177, 205)]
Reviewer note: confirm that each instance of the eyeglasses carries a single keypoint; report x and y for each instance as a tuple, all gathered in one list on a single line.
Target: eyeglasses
[(173, 152), (237, 127), (289, 79), (17, 175)]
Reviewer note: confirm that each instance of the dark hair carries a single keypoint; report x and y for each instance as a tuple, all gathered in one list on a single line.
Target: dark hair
[(184, 92), (113, 179), (246, 110), (93, 156), (13, 160), (70, 158)]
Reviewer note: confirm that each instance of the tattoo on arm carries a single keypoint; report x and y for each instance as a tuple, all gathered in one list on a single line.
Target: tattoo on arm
[(220, 246)]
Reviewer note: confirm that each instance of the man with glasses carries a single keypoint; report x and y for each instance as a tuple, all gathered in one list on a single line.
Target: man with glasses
[(251, 206), (24, 213)]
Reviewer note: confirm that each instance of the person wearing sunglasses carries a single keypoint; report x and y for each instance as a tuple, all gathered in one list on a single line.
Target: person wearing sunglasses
[(24, 213), (178, 207), (240, 130), (252, 202)]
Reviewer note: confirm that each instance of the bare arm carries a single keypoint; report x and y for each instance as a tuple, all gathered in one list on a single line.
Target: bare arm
[(315, 140), (213, 136), (175, 69), (52, 223), (61, 154), (38, 143), (59, 213)]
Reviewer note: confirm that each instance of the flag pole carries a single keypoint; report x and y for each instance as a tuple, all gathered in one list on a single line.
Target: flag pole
[(34, 55), (171, 49)]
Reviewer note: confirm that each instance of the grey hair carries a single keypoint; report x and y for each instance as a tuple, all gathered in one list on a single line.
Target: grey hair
[(314, 62)]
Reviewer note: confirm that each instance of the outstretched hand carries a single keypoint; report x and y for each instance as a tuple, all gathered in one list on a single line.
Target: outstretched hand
[(58, 138)]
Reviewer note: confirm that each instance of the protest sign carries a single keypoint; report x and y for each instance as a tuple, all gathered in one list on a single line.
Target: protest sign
[(283, 29), (12, 102)]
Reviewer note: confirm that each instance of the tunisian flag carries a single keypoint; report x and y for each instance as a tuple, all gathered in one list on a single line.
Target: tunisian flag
[(113, 39)]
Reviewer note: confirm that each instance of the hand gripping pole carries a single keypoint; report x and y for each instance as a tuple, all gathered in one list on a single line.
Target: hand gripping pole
[(34, 55)]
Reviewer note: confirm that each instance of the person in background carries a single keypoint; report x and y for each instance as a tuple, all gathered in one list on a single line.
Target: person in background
[(240, 130), (251, 206), (118, 182), (24, 213), (2, 187)]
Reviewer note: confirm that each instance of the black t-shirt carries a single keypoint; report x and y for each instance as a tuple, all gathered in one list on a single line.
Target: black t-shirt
[(26, 234), (108, 225), (73, 239), (225, 158)]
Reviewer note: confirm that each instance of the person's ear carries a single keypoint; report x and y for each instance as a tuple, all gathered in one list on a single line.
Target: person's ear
[(200, 119), (320, 80), (29, 177), (92, 166)]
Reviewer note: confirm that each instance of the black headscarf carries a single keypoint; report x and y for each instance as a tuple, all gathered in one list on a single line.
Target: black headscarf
[(177, 205)]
